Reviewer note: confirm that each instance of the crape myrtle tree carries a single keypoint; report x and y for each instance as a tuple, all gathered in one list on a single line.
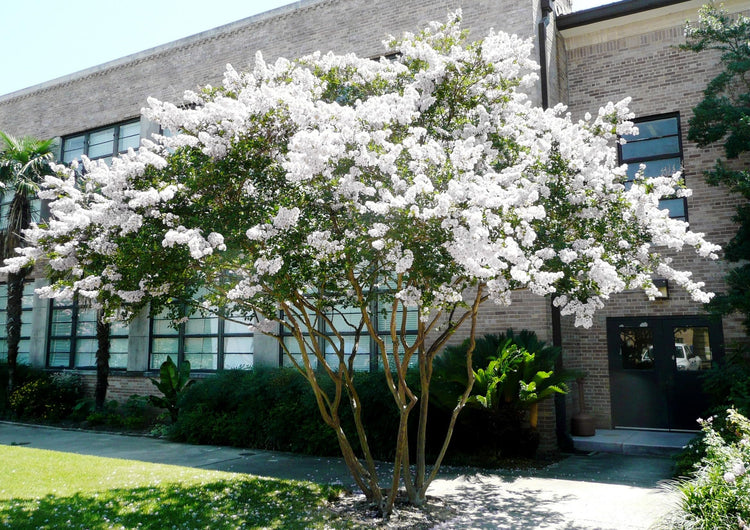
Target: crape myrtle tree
[(24, 162), (723, 118), (303, 192), (82, 234)]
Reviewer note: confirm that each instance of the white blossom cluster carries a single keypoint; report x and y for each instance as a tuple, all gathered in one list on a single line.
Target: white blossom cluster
[(435, 169)]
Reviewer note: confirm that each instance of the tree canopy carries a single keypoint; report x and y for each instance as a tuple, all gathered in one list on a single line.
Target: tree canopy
[(723, 118), (323, 194)]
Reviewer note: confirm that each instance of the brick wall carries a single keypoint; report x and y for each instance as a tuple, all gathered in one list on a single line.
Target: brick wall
[(122, 385), (642, 61)]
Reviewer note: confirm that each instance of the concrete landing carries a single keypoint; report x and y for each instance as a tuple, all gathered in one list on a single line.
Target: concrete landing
[(633, 442)]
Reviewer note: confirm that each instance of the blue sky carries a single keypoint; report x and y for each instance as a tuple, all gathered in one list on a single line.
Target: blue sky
[(45, 39)]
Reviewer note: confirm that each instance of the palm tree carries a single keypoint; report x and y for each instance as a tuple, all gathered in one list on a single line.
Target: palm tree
[(24, 162)]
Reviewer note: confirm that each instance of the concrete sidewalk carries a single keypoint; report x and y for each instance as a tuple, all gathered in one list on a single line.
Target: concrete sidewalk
[(595, 491)]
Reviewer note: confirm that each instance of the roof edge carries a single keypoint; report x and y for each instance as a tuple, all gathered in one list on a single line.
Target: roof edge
[(610, 11), (161, 48)]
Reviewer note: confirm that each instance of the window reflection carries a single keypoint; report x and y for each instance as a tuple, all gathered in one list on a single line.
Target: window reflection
[(637, 348), (692, 350)]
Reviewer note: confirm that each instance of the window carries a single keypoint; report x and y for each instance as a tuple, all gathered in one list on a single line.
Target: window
[(6, 199), (657, 146), (206, 341), (345, 320), (102, 143), (26, 319), (72, 338)]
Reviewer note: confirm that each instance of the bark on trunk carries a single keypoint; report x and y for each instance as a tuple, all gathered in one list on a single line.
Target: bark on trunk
[(102, 362), (533, 415), (13, 324)]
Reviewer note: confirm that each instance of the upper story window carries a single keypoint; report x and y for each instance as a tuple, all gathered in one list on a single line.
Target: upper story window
[(657, 146), (102, 143)]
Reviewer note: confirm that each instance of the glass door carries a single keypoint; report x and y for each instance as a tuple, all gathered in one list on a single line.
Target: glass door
[(655, 365)]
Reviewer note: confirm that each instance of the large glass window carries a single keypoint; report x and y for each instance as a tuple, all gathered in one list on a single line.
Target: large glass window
[(658, 147), (72, 338), (102, 143), (345, 321), (26, 319), (206, 341), (6, 198)]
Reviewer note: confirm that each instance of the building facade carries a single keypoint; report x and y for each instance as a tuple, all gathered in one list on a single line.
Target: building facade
[(642, 358)]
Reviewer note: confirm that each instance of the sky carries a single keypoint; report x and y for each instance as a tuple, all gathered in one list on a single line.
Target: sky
[(41, 40)]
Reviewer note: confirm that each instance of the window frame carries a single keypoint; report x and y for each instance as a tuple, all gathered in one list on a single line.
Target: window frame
[(181, 334), (374, 353), (24, 309), (651, 158), (87, 137), (73, 337)]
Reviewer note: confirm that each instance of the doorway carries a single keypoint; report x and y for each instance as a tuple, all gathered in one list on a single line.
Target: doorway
[(655, 365)]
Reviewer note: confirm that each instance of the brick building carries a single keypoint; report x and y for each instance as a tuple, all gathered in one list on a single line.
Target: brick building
[(642, 359)]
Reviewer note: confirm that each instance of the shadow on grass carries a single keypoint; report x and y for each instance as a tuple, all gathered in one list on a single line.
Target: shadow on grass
[(240, 503)]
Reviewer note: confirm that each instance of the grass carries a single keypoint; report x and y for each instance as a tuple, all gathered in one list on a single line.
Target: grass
[(48, 489)]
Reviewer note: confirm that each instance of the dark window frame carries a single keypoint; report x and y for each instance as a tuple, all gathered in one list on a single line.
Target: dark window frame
[(30, 309), (664, 156), (374, 353), (181, 334), (73, 337), (87, 136)]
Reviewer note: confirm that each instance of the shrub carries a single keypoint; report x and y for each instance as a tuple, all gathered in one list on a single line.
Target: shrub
[(275, 409), (727, 385), (24, 374), (46, 398), (728, 381), (172, 383), (513, 372), (718, 495)]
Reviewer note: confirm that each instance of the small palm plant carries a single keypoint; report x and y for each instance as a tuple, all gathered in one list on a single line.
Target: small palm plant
[(517, 374), (24, 162), (172, 383)]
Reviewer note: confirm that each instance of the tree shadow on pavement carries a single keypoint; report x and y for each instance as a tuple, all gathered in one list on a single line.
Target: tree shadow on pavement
[(484, 503)]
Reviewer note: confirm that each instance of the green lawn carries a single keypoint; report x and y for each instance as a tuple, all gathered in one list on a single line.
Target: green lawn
[(48, 489)]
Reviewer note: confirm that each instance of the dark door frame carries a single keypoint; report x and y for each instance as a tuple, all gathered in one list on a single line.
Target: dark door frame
[(661, 397)]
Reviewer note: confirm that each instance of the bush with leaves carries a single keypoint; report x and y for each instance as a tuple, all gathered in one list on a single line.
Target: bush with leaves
[(727, 384), (23, 374), (172, 383), (512, 372), (275, 409), (718, 496), (47, 398)]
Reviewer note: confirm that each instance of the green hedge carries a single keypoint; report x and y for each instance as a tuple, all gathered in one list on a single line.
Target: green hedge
[(24, 374), (38, 395), (275, 409)]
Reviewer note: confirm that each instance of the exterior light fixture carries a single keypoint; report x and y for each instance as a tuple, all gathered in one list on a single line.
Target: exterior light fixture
[(663, 286)]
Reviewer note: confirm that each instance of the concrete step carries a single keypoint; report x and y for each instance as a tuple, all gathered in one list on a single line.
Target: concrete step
[(633, 442)]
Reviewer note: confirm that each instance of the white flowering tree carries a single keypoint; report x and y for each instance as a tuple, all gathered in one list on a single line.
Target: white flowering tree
[(306, 193)]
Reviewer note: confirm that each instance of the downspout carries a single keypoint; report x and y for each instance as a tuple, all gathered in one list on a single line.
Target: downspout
[(564, 441), (546, 9)]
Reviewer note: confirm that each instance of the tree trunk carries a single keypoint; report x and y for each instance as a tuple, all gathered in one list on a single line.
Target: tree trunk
[(13, 324), (102, 361), (533, 415)]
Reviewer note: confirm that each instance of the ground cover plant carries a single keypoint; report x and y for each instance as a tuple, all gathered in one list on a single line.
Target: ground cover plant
[(49, 490), (727, 384), (341, 202), (718, 493)]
